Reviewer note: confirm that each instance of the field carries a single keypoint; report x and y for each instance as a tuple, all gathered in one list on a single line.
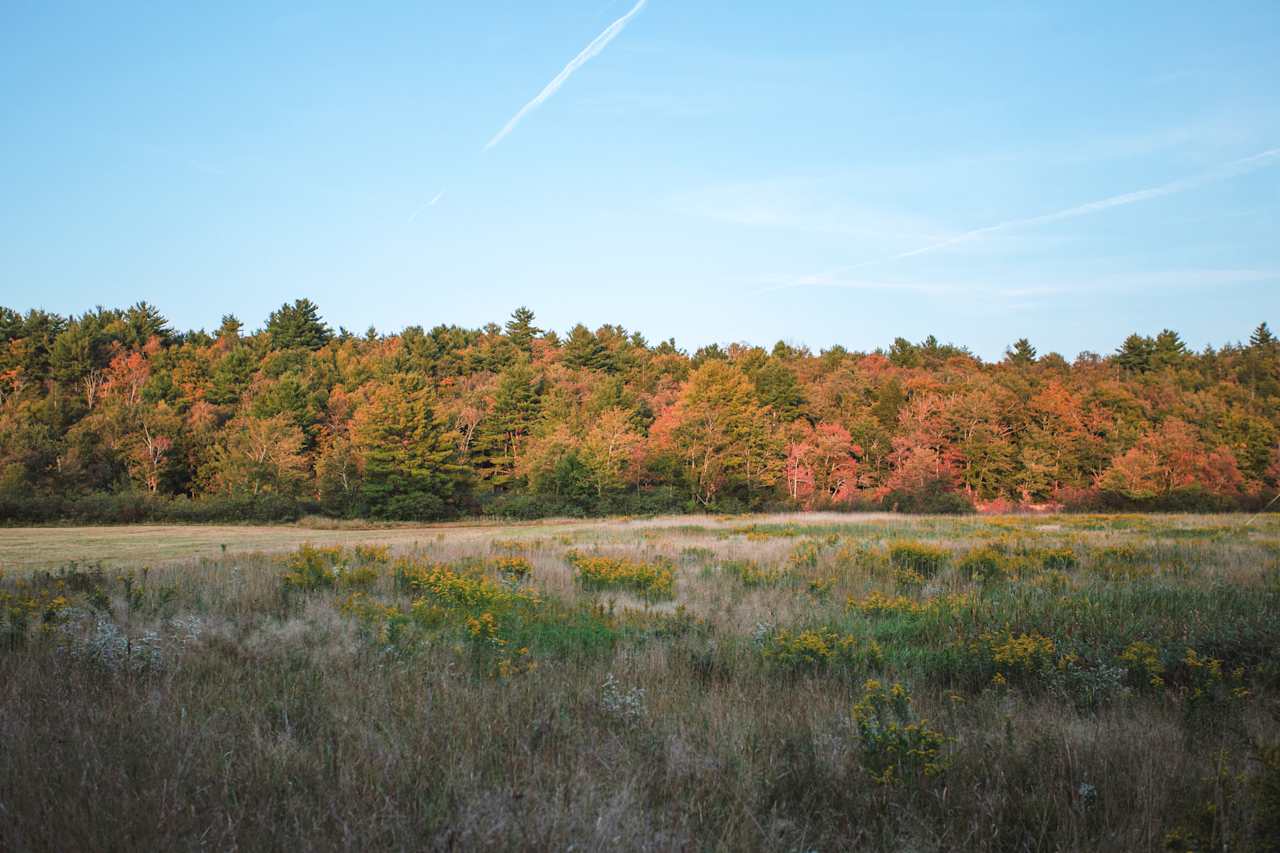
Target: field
[(805, 682)]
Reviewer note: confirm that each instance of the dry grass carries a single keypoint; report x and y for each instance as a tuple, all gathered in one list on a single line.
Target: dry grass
[(249, 714)]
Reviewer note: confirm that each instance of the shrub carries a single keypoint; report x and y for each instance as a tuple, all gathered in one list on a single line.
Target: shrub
[(513, 569), (311, 568), (933, 499), (596, 572), (1143, 662), (925, 560), (803, 556), (816, 649), (1025, 654), (441, 585), (23, 608), (895, 746)]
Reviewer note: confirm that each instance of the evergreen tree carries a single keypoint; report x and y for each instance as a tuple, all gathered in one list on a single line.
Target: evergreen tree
[(1021, 354), (903, 353), (584, 349), (142, 322), (520, 329), (11, 325), (297, 326), (411, 470), (515, 408), (37, 333), (1259, 368), (711, 352), (231, 375), (80, 349), (1168, 350), (229, 330), (1135, 354)]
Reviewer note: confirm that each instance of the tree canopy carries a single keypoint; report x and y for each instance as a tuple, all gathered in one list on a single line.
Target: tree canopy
[(515, 418)]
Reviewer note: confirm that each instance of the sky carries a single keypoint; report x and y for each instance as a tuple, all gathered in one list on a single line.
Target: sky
[(820, 173)]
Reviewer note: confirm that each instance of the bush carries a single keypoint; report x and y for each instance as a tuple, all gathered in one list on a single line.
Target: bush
[(133, 507), (816, 649), (894, 745), (924, 560), (933, 499), (1191, 499), (311, 568), (652, 580)]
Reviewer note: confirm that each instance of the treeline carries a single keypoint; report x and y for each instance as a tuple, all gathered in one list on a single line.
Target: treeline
[(115, 416)]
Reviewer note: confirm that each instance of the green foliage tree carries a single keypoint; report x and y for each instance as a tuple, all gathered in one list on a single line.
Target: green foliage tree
[(778, 388), (410, 464), (712, 429), (1168, 350), (508, 423), (142, 322), (1136, 354), (521, 331), (1021, 354), (229, 330), (583, 349), (297, 326)]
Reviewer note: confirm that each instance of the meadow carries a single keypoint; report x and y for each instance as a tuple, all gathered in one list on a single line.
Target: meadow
[(789, 682)]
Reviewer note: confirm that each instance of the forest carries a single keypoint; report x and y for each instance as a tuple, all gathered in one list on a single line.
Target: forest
[(115, 416)]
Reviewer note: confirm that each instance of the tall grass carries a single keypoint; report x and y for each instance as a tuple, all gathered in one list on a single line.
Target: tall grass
[(460, 697)]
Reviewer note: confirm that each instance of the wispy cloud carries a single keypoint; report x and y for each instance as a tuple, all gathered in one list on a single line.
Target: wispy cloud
[(816, 204), (1227, 170), (593, 49), (1134, 281)]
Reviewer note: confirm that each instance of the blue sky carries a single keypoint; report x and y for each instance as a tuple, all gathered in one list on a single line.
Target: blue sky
[(821, 172)]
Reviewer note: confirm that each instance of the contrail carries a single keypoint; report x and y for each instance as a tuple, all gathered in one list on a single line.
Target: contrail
[(1227, 170), (434, 200), (598, 44)]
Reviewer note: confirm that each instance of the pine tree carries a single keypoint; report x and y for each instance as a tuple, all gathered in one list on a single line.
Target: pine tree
[(10, 325), (511, 417), (142, 322), (1135, 354), (1260, 363), (520, 329), (297, 326), (79, 349), (1169, 350), (411, 470), (1021, 354), (903, 353), (229, 330), (584, 349)]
